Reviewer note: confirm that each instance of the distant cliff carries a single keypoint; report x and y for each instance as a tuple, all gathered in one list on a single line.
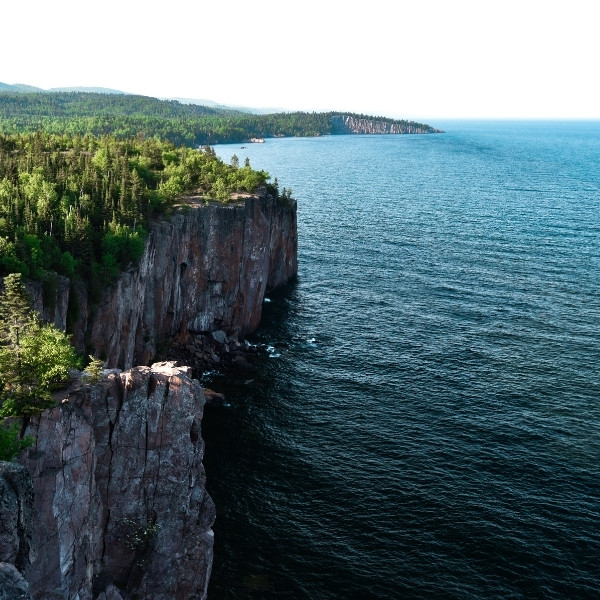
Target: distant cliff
[(115, 505), (125, 115), (206, 268), (348, 123)]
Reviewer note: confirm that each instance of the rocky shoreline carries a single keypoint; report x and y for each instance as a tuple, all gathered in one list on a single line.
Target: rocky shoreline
[(215, 351), (119, 490)]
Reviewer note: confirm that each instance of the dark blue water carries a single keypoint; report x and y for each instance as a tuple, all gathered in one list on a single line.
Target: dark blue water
[(433, 431)]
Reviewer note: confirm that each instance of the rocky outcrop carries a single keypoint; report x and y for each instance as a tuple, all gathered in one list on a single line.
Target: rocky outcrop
[(346, 124), (16, 505), (119, 498), (207, 352), (206, 268)]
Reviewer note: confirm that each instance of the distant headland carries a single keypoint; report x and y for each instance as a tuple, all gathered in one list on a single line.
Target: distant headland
[(100, 111)]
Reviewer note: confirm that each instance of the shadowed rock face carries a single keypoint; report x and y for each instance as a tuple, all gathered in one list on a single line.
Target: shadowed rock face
[(205, 269), (16, 503), (12, 584), (120, 502)]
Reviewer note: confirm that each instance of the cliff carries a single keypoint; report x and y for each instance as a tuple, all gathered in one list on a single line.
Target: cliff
[(16, 522), (115, 506), (345, 124), (206, 268), (119, 504)]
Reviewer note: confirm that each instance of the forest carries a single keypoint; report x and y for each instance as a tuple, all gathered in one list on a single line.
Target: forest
[(126, 116), (80, 206), (81, 177)]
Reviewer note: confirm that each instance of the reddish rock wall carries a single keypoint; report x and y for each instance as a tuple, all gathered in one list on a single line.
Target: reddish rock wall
[(205, 269), (120, 505)]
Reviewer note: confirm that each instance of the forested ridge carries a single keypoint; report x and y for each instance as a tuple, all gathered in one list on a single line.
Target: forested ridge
[(82, 175), (127, 116), (80, 206)]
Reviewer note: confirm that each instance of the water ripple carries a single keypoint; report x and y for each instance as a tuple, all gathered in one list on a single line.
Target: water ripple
[(433, 430)]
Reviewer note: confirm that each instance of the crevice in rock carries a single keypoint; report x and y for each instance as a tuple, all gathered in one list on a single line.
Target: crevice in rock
[(118, 393), (194, 432), (22, 558), (159, 433)]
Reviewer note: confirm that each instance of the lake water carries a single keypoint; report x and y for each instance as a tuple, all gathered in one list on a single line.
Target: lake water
[(433, 429)]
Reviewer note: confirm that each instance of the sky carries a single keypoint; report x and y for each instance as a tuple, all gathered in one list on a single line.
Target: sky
[(425, 60)]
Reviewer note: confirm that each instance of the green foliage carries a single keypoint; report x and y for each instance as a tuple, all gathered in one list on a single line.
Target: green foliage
[(35, 357), (129, 116), (94, 370), (81, 206), (220, 190), (16, 316), (123, 244), (49, 356), (11, 444), (141, 536), (9, 261)]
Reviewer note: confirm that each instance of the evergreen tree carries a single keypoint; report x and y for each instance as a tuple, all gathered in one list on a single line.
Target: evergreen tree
[(16, 316), (35, 358)]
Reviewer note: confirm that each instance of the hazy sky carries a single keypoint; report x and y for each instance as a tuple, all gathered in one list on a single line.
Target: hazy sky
[(423, 59)]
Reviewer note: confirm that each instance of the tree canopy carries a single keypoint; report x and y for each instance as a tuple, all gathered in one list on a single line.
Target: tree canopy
[(128, 116), (81, 206), (35, 357)]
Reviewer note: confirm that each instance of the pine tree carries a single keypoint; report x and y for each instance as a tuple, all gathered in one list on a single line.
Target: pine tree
[(16, 316), (35, 358)]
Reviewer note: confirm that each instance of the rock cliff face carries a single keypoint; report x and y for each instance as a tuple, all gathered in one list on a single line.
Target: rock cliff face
[(363, 125), (120, 508), (54, 311), (16, 521), (206, 268)]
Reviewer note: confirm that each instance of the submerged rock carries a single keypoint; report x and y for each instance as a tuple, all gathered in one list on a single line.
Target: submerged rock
[(214, 398)]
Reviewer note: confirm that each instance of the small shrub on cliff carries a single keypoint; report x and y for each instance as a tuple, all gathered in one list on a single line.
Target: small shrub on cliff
[(94, 370), (35, 357), (11, 445), (140, 536)]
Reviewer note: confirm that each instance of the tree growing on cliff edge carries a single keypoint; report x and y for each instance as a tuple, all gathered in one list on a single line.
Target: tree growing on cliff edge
[(11, 444), (35, 357)]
